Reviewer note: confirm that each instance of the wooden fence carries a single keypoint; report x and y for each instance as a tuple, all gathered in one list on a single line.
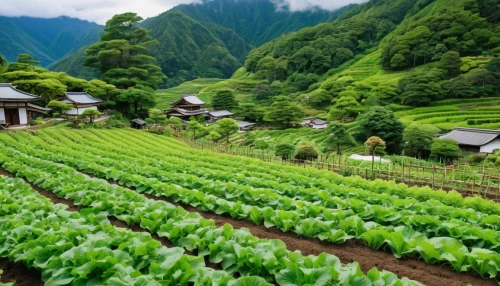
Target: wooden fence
[(479, 183)]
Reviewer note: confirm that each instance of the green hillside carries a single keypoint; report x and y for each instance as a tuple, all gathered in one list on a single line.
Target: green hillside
[(164, 97), (211, 39), (256, 21), (400, 54), (47, 40)]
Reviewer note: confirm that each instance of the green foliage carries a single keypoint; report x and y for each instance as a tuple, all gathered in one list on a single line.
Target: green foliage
[(226, 127), (261, 144), (157, 117), (381, 122), (224, 100), (91, 114), (194, 126), (418, 140), (306, 151), (339, 137), (58, 106), (250, 112), (451, 63), (283, 112), (445, 149), (213, 136), (284, 150)]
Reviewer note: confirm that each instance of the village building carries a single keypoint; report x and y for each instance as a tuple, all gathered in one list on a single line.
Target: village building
[(81, 101), (188, 105), (138, 124), (244, 126), (314, 123), (220, 114), (476, 140), (15, 106)]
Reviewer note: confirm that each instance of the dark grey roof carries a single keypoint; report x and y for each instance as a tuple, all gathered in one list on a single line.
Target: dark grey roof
[(179, 111), (139, 121), (9, 92), (318, 121), (243, 124), (471, 136), (218, 113), (81, 97), (37, 107), (190, 98)]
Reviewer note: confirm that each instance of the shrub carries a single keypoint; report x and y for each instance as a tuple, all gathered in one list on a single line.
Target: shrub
[(307, 151), (476, 158), (285, 150)]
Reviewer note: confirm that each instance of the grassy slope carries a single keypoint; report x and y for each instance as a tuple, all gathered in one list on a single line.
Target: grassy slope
[(164, 97)]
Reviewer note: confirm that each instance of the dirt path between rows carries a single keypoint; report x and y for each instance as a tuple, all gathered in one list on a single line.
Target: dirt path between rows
[(354, 250)]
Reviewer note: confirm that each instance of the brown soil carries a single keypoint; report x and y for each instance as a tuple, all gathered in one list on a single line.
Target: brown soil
[(19, 273), (353, 250)]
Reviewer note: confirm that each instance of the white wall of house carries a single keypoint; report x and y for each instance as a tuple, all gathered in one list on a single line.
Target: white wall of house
[(488, 148), (322, 126), (2, 114), (23, 116), (80, 110)]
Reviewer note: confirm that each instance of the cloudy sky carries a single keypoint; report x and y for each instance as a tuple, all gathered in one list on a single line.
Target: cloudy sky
[(101, 10)]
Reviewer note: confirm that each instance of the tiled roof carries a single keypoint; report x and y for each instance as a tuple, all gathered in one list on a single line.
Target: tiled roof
[(318, 121), (184, 112), (139, 121), (9, 92), (190, 98), (243, 124), (471, 136), (81, 97), (218, 113), (40, 108)]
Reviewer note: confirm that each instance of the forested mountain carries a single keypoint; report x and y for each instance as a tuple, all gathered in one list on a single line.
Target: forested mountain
[(381, 52), (47, 40), (211, 39), (256, 21)]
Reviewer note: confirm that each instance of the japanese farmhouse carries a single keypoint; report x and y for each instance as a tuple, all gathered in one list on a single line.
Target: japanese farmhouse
[(81, 101), (188, 105), (15, 106), (477, 140), (244, 126), (314, 123)]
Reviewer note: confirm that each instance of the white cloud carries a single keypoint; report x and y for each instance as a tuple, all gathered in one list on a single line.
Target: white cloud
[(100, 11)]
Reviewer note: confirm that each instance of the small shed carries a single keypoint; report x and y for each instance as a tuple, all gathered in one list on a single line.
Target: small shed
[(188, 105), (244, 126), (477, 140), (314, 123), (138, 124), (81, 101)]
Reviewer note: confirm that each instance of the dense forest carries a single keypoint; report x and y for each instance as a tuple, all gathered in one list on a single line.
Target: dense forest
[(48, 40), (434, 50), (211, 39)]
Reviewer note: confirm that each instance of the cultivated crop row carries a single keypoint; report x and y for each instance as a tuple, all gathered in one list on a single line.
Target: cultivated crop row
[(85, 249), (236, 250), (308, 219)]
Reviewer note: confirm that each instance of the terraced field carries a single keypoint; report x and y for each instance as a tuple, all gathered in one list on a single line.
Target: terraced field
[(196, 217), (164, 97)]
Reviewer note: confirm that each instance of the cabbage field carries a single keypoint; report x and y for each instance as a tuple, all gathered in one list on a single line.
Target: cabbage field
[(126, 207)]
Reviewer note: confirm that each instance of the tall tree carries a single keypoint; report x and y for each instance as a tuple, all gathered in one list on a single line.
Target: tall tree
[(446, 149), (123, 59), (283, 111), (451, 62), (381, 122), (418, 140), (224, 99), (373, 143), (339, 137), (226, 127)]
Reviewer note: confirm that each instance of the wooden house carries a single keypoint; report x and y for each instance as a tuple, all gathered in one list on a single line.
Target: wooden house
[(476, 140), (81, 101), (138, 124), (15, 106), (220, 114), (314, 123), (244, 126), (188, 105)]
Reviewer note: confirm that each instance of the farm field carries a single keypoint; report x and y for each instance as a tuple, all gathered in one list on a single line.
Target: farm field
[(229, 220), (164, 97)]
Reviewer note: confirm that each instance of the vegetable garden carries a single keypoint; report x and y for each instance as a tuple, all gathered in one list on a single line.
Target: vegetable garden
[(150, 210)]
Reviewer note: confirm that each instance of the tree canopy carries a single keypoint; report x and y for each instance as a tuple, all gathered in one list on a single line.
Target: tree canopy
[(381, 122)]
